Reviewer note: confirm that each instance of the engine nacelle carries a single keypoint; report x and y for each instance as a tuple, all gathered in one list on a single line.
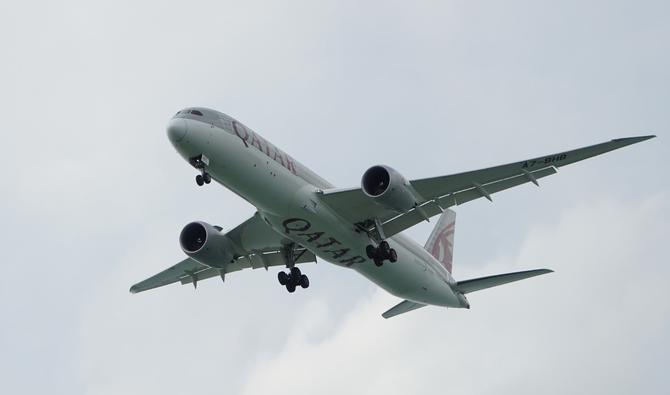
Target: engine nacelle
[(206, 244), (388, 188)]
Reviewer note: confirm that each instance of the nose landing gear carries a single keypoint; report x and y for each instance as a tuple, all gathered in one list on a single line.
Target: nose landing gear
[(381, 253), (292, 279), (200, 162), (203, 178)]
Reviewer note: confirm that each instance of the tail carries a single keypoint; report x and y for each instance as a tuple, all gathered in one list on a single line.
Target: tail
[(440, 244)]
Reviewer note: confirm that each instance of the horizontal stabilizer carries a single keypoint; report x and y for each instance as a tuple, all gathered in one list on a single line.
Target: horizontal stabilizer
[(477, 284), (402, 307)]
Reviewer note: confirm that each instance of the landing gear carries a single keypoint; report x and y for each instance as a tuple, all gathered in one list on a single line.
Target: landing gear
[(385, 248), (203, 178), (200, 162), (381, 253), (371, 251), (393, 256), (304, 281), (293, 279)]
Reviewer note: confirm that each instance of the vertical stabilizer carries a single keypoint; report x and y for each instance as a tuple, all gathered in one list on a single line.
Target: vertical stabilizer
[(440, 244)]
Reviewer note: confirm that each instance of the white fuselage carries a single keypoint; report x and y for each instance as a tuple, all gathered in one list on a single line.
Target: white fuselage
[(286, 195)]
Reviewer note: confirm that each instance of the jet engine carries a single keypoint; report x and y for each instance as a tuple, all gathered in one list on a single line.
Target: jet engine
[(388, 188), (206, 244)]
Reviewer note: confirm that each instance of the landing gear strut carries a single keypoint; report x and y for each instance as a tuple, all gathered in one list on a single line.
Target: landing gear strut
[(292, 279), (381, 253)]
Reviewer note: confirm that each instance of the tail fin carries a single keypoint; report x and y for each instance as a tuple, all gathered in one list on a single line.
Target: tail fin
[(440, 244)]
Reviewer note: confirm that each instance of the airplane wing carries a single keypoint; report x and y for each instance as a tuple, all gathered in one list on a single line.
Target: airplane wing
[(256, 246), (442, 192)]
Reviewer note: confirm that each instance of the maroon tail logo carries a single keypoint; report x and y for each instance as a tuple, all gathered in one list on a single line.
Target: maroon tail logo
[(443, 247)]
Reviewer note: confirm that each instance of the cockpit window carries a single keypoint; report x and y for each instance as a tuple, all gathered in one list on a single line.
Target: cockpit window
[(196, 112)]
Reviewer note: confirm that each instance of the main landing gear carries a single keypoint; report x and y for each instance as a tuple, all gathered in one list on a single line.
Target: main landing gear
[(381, 253), (292, 279), (200, 162)]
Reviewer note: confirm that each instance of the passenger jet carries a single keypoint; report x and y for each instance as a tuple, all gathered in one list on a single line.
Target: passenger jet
[(300, 216)]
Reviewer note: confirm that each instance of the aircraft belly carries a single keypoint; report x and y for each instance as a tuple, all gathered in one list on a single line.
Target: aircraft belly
[(410, 278), (330, 238)]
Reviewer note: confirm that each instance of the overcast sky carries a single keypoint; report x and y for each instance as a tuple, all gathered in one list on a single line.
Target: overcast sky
[(93, 196)]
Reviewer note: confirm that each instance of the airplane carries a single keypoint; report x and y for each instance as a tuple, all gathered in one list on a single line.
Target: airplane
[(300, 216)]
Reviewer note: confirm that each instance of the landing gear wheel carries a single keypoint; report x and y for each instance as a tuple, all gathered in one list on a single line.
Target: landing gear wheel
[(378, 262), (207, 178), (282, 277), (295, 273), (385, 248), (393, 256), (199, 180), (304, 281), (371, 251), (290, 287)]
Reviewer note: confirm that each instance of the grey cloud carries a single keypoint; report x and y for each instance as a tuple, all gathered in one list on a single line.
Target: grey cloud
[(599, 324)]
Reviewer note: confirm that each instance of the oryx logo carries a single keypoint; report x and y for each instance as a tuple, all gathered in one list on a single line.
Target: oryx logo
[(442, 247)]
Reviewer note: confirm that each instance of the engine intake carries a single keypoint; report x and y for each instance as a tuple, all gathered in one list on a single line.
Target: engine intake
[(389, 188), (376, 181), (193, 237), (206, 244)]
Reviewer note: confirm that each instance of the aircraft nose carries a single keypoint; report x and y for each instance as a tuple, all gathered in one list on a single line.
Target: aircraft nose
[(176, 130)]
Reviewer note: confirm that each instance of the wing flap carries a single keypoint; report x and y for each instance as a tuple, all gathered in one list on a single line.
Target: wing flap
[(435, 207), (485, 190), (202, 275), (186, 268), (267, 259), (477, 284)]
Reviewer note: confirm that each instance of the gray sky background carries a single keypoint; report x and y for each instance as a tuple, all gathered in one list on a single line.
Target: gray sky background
[(93, 196)]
